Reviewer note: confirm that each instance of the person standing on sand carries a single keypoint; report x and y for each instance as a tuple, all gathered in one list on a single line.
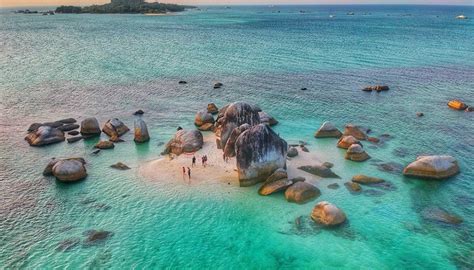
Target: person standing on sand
[(194, 161), (189, 174)]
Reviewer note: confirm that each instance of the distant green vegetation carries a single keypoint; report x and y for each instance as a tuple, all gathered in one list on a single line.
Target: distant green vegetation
[(130, 7)]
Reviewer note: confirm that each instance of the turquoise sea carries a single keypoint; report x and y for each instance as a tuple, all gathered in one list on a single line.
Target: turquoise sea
[(106, 66)]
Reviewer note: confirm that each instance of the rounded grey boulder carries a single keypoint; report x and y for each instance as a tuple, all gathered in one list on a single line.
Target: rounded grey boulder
[(141, 131), (90, 127), (44, 135)]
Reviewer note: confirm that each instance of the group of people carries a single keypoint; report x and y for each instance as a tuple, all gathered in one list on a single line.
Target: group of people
[(187, 170), (203, 160)]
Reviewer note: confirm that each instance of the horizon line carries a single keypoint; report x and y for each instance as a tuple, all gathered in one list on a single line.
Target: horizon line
[(279, 4)]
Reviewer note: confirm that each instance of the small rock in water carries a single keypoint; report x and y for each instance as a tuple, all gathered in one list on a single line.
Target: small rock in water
[(469, 109), (68, 127), (304, 149), (218, 85), (182, 82), (420, 114), (366, 180), (438, 214), (139, 112), (74, 139), (212, 108), (179, 128), (432, 167), (319, 170), (304, 89), (353, 187), (96, 152), (373, 193), (73, 133), (292, 152), (96, 237), (457, 105), (377, 88), (104, 145), (328, 214), (373, 139), (333, 186), (328, 164), (120, 166), (68, 121)]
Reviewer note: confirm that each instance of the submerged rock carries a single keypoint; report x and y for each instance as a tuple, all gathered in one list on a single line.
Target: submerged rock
[(366, 180), (184, 141), (438, 214), (104, 145), (301, 192), (267, 119), (292, 152), (44, 135), (355, 131), (319, 170), (68, 244), (328, 130), (141, 131), (120, 166), (212, 108), (346, 141), (353, 187), (90, 127), (333, 186), (95, 237), (328, 164), (356, 153), (432, 167), (328, 214), (235, 115), (457, 105), (68, 170), (391, 167), (259, 151), (115, 128), (67, 121)]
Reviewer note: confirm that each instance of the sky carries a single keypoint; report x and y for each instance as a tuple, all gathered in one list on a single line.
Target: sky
[(19, 3)]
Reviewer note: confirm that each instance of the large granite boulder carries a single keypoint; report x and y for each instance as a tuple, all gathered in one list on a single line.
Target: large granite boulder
[(115, 128), (229, 149), (346, 142), (259, 152), (44, 135), (301, 192), (356, 153), (203, 117), (67, 170), (235, 115), (90, 127), (319, 170), (355, 131), (185, 141), (141, 131), (267, 119), (328, 130), (432, 167), (328, 214)]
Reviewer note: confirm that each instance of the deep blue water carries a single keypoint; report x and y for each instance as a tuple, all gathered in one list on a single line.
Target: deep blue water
[(110, 65)]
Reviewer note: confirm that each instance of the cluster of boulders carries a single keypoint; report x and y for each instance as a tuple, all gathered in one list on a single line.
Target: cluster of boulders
[(460, 106), (53, 132), (377, 88)]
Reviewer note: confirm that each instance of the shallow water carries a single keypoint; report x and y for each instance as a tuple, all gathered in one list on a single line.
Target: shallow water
[(110, 65)]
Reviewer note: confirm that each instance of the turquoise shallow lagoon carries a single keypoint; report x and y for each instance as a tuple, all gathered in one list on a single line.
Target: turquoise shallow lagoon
[(108, 66)]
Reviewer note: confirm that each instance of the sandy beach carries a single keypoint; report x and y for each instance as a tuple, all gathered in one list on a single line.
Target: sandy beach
[(169, 168)]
